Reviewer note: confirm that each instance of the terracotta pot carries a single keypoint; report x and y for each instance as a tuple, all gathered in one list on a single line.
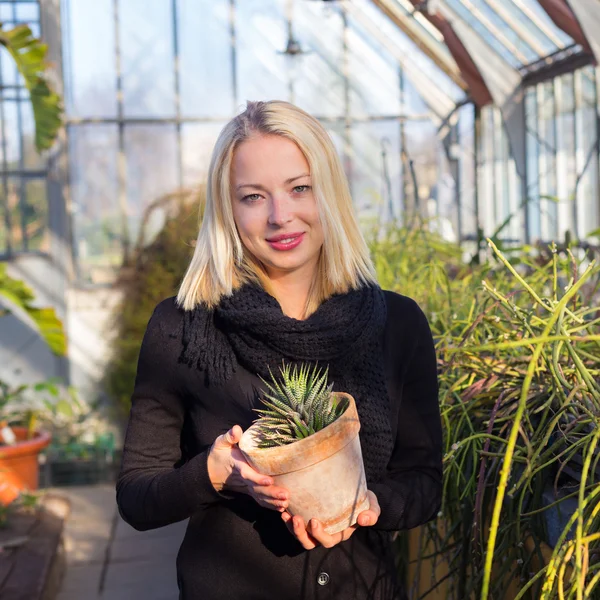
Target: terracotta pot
[(324, 472), (19, 469)]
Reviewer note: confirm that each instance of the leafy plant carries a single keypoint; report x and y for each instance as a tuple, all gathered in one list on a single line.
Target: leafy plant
[(26, 405), (18, 296), (152, 273), (298, 405), (29, 55)]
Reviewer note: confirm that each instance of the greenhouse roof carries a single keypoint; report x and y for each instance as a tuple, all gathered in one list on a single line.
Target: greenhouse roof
[(486, 47)]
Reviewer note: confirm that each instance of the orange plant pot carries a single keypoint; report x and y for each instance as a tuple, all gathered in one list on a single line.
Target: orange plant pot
[(19, 468)]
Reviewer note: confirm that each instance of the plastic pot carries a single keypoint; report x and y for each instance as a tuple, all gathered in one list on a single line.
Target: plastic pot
[(19, 468)]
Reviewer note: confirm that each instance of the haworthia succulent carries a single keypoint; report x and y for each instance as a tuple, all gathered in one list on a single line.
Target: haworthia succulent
[(296, 406)]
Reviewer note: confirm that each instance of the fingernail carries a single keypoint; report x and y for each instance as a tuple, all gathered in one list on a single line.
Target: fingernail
[(282, 496), (365, 520), (314, 523), (266, 481)]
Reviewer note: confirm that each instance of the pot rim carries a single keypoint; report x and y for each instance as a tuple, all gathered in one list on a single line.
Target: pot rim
[(35, 445), (309, 450)]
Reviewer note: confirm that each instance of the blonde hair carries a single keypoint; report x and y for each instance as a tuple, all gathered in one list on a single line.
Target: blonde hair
[(221, 264)]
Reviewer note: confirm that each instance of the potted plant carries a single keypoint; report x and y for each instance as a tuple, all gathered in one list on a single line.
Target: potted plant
[(21, 438), (307, 439)]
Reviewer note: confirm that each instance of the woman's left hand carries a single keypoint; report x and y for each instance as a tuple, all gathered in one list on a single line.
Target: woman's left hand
[(313, 534)]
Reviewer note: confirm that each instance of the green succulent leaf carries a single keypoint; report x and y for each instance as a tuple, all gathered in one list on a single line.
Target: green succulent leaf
[(296, 406)]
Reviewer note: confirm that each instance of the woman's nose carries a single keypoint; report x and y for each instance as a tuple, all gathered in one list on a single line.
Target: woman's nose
[(280, 210)]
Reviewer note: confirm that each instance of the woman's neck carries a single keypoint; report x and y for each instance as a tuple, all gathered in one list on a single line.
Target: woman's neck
[(292, 294)]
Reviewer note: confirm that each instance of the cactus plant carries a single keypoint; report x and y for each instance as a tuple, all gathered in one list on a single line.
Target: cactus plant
[(298, 405)]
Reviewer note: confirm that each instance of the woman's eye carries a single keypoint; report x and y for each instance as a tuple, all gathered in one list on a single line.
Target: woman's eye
[(250, 198), (300, 189)]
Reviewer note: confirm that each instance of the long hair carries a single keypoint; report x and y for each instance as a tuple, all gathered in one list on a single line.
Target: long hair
[(221, 264)]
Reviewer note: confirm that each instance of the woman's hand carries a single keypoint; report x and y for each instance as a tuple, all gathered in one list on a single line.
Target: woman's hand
[(312, 535), (229, 470)]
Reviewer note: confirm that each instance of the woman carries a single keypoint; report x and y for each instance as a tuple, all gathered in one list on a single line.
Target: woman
[(280, 272)]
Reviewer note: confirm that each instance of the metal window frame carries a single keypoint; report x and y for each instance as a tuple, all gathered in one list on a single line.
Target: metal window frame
[(21, 172)]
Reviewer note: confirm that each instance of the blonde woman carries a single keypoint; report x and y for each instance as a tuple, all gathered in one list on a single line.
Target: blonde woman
[(280, 272)]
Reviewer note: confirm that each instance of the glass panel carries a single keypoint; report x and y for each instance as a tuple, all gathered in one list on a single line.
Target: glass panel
[(6, 11), (205, 58), (89, 58), (197, 142), (318, 78), (535, 27), (97, 217), (35, 212), (533, 164), (11, 135), (466, 152), (147, 58), (376, 173), (261, 35), (504, 28), (9, 69), (488, 209), (588, 194), (473, 21), (547, 132), (541, 20), (565, 153), (32, 158), (373, 76), (152, 171), (28, 11)]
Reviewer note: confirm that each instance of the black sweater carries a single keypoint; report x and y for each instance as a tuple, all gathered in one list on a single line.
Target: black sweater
[(234, 548)]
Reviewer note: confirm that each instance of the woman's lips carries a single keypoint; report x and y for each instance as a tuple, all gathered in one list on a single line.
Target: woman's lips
[(288, 244)]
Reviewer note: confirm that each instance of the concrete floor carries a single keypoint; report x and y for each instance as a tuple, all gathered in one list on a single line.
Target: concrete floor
[(108, 559)]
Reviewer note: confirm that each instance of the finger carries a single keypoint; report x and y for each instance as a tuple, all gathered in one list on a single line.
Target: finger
[(229, 438), (374, 502), (299, 530), (326, 540), (370, 516), (249, 474), (272, 492)]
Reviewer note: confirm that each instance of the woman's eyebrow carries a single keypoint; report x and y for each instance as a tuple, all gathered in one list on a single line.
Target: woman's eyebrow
[(260, 187)]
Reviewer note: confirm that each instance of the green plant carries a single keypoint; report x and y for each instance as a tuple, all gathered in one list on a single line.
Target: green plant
[(152, 273), (18, 297), (520, 403), (27, 405), (298, 405), (29, 55)]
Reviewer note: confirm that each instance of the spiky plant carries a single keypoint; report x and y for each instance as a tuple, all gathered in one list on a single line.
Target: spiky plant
[(298, 405)]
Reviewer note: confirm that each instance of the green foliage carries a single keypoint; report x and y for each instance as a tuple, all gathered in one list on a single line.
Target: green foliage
[(47, 401), (152, 273), (298, 405), (29, 54), (17, 295), (518, 349)]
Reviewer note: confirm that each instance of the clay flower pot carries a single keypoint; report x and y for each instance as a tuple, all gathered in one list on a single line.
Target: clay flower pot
[(323, 472), (19, 469)]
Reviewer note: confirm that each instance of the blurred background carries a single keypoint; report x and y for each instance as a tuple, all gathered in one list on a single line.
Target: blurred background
[(470, 119)]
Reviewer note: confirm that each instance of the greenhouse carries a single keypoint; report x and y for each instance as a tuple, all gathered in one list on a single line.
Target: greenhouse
[(469, 133)]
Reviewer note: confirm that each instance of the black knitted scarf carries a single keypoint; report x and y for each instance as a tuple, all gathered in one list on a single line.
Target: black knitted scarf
[(346, 333)]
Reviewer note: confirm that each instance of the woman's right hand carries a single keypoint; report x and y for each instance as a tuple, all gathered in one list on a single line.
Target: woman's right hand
[(229, 470)]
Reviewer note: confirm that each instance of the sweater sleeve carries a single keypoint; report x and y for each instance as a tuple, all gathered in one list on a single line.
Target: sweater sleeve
[(411, 492), (153, 490)]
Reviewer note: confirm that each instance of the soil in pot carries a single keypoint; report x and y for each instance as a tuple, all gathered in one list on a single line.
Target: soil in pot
[(323, 472)]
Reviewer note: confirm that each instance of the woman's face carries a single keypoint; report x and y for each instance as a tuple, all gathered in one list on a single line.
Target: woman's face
[(274, 206)]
